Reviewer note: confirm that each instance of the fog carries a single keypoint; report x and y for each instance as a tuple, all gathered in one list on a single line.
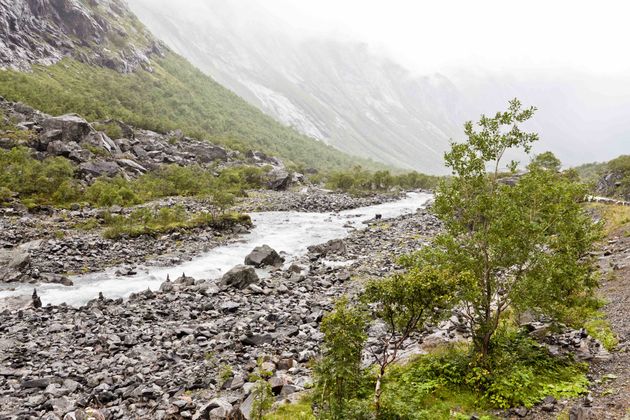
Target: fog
[(566, 57)]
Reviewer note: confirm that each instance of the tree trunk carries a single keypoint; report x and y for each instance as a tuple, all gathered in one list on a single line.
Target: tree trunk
[(378, 391)]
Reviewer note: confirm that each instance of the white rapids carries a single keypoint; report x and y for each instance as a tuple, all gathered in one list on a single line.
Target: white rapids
[(290, 233)]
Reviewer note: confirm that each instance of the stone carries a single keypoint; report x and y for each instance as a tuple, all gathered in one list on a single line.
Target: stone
[(71, 127), (334, 246), (279, 179), (262, 256), (99, 168), (240, 277), (258, 339)]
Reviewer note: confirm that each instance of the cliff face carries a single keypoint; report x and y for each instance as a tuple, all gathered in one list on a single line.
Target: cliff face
[(99, 32)]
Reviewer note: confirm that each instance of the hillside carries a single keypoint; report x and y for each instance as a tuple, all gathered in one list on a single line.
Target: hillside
[(96, 59), (363, 101)]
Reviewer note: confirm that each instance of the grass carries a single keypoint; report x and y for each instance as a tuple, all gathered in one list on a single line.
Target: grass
[(445, 384), (302, 410), (615, 216), (601, 330), (145, 221)]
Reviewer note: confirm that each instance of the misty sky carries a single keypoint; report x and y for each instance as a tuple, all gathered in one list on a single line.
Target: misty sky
[(589, 36)]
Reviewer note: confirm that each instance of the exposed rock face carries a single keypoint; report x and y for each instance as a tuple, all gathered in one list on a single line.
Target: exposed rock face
[(96, 154), (45, 31), (612, 185), (240, 277), (262, 256)]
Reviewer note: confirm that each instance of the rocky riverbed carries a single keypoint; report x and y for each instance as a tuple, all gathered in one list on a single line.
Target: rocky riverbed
[(165, 353), (50, 246)]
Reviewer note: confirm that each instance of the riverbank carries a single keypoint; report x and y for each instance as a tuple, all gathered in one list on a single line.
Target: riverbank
[(174, 351), (60, 243)]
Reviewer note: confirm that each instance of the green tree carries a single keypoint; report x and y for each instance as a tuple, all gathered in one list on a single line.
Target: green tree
[(339, 374), (525, 246), (405, 302), (263, 399), (546, 160)]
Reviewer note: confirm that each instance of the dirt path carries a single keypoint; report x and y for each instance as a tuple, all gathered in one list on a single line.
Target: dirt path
[(611, 394)]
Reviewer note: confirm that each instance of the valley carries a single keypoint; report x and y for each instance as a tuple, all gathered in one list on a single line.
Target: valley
[(211, 212)]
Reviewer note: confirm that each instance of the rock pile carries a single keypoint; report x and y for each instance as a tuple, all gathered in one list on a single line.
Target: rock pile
[(165, 354)]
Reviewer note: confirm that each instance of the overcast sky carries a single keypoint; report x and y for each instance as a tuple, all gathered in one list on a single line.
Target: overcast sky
[(433, 35)]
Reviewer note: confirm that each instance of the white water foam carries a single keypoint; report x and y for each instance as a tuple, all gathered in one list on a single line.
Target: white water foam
[(290, 233)]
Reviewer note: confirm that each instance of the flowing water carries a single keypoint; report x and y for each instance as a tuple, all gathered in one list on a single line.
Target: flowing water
[(289, 233)]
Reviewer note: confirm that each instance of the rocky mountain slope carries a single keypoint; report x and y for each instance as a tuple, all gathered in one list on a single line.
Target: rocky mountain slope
[(94, 32), (339, 92), (364, 103), (94, 58)]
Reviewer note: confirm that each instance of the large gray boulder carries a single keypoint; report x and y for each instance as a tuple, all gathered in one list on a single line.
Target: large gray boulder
[(98, 168), (68, 127), (279, 179), (13, 263), (334, 246), (240, 277), (262, 256)]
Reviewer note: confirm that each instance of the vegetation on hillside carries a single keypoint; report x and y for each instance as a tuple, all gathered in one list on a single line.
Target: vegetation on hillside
[(174, 96), (617, 171), (360, 181), (52, 182)]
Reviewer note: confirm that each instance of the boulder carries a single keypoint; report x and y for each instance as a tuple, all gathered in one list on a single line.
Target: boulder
[(262, 256), (279, 179), (334, 246), (240, 277), (98, 168), (61, 148), (70, 127)]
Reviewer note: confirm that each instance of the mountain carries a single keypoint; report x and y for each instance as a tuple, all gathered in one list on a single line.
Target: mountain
[(363, 102), (95, 58), (338, 92)]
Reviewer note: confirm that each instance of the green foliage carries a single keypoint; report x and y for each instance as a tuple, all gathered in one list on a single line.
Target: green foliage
[(525, 246), (225, 373), (301, 410), (339, 375), (263, 399), (174, 96), (112, 129), (47, 181), (145, 221), (359, 180), (52, 181), (449, 381), (547, 161), (600, 329), (405, 302), (106, 192)]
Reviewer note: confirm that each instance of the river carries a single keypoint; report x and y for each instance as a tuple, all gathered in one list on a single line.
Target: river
[(289, 233)]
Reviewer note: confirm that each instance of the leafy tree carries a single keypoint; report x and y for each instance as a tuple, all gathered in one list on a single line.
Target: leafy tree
[(405, 302), (339, 374), (524, 246), (263, 399), (547, 161)]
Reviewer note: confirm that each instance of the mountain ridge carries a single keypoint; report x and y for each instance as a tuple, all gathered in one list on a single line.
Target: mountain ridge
[(95, 72)]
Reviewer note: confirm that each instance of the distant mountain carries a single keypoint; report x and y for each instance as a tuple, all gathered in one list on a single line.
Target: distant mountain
[(341, 93), (95, 58), (364, 103)]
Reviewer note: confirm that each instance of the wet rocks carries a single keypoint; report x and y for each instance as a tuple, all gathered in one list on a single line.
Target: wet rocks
[(262, 256), (240, 277), (334, 246)]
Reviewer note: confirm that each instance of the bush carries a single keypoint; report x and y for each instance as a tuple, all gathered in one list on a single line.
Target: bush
[(145, 221), (359, 181), (450, 380)]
